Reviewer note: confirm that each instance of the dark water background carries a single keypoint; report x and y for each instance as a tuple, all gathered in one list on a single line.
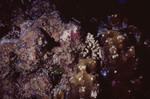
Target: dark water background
[(137, 11)]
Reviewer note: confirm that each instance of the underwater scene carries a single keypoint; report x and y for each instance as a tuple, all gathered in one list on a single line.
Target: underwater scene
[(74, 49)]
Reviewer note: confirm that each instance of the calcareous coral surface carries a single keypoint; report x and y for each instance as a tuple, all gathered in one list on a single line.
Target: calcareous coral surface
[(43, 56)]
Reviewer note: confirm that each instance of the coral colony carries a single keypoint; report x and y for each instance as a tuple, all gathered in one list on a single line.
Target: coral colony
[(44, 57)]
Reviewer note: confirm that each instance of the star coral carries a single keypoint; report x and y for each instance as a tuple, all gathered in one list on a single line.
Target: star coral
[(84, 85)]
